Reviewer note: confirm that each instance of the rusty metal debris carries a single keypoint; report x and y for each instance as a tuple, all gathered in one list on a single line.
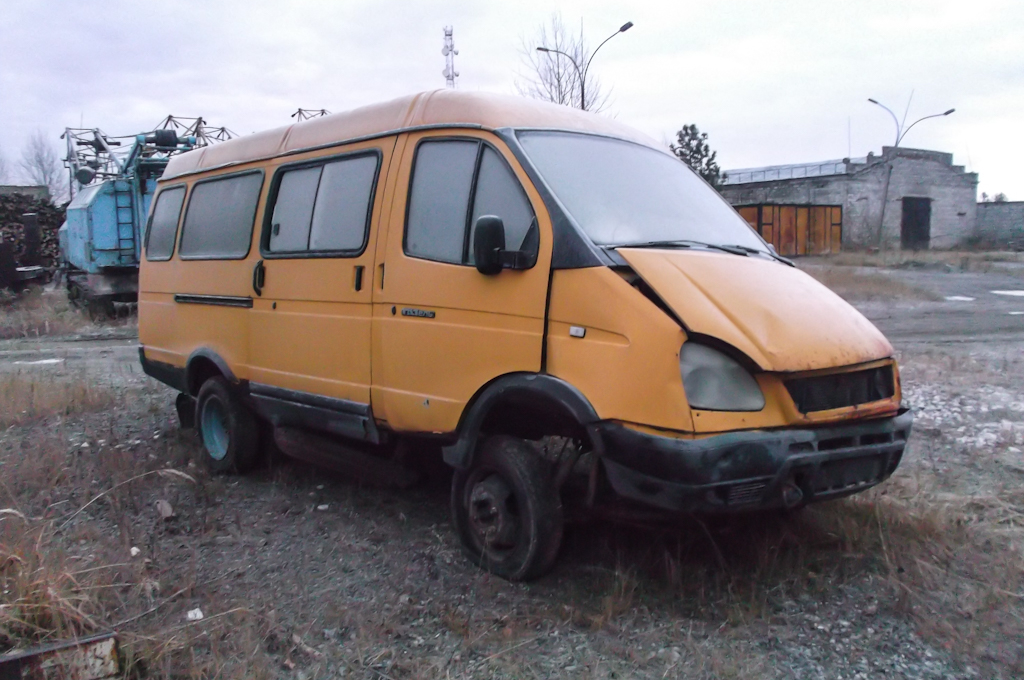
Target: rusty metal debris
[(90, 658)]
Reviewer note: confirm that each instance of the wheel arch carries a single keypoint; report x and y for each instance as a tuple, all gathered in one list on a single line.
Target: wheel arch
[(527, 405), (203, 364)]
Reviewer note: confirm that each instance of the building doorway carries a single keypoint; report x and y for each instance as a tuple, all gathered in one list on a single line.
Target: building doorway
[(916, 225)]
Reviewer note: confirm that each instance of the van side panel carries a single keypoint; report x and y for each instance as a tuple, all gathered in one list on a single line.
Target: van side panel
[(188, 304), (311, 327), (627, 362)]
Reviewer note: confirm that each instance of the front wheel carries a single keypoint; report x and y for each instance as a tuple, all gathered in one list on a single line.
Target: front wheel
[(507, 511), (228, 429)]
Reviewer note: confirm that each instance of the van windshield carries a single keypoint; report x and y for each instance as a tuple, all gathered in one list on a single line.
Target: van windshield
[(622, 193)]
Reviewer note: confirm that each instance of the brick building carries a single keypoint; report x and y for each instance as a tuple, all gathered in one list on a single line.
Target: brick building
[(909, 198)]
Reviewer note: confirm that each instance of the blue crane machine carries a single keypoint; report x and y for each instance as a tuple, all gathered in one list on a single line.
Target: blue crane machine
[(112, 186)]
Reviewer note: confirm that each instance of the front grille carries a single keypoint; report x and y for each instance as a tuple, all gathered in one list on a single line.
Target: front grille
[(838, 390), (850, 473)]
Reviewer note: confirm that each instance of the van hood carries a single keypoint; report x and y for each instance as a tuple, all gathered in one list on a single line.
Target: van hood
[(777, 315)]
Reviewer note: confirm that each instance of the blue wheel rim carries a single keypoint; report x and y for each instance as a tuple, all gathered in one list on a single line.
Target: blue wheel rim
[(215, 428)]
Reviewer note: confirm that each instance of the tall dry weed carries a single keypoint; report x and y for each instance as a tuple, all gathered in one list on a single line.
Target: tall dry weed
[(27, 396), (42, 598), (39, 313), (962, 260), (857, 285)]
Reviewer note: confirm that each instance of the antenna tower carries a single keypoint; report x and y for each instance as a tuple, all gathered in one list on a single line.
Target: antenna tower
[(449, 52)]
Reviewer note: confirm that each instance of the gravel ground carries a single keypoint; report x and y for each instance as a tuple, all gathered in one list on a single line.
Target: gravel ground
[(304, 574)]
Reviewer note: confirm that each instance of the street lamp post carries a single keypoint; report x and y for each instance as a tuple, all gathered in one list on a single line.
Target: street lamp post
[(582, 73), (901, 132)]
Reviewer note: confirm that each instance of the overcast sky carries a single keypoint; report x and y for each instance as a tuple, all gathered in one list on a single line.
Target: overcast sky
[(770, 82)]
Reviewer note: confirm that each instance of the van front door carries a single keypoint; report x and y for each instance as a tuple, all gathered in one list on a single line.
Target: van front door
[(310, 322), (443, 330)]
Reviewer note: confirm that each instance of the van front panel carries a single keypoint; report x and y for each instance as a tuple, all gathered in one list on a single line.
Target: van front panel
[(443, 330), (624, 355)]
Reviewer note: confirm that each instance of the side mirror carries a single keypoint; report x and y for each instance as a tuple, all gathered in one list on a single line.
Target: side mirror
[(488, 244)]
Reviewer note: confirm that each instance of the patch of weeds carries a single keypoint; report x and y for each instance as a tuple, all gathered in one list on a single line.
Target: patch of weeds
[(960, 260), (25, 397), (38, 313), (951, 564), (43, 599), (862, 286)]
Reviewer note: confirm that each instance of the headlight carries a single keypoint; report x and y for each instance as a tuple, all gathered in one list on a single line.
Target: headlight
[(714, 381)]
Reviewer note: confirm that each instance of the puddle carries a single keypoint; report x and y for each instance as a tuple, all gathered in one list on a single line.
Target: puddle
[(41, 362), (959, 298), (1014, 293)]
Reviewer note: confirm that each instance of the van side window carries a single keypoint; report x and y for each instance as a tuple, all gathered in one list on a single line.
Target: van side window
[(163, 227), (324, 208), (219, 219), (441, 217), (498, 192), (293, 210), (439, 200)]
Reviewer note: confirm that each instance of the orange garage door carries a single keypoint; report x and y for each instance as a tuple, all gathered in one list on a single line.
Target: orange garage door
[(797, 229)]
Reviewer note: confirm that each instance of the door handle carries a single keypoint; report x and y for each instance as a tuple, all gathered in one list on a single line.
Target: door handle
[(259, 275), (359, 277)]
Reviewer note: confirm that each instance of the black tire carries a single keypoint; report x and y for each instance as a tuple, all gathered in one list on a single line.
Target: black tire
[(228, 429), (507, 511)]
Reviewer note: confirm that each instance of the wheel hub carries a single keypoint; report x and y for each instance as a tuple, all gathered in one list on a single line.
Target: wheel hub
[(214, 428), (491, 513)]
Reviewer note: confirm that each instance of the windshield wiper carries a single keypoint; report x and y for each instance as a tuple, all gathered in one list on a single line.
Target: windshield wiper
[(655, 244), (732, 249), (770, 253), (735, 250)]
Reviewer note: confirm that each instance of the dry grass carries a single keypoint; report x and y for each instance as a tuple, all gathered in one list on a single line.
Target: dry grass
[(951, 564), (68, 523), (38, 313), (43, 598), (71, 514), (26, 397), (961, 260), (859, 285), (954, 565)]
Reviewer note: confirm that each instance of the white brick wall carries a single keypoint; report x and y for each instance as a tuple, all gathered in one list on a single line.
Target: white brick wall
[(1001, 224)]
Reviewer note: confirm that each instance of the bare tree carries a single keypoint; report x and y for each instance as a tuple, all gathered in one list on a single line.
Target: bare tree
[(40, 164), (553, 77)]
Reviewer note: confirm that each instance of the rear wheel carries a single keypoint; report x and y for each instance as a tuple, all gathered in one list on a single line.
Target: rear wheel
[(507, 511), (227, 428)]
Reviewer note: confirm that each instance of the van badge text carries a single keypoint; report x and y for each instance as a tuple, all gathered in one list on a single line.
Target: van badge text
[(424, 313)]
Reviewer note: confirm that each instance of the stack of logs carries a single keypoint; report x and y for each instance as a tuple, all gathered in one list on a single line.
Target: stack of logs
[(13, 207)]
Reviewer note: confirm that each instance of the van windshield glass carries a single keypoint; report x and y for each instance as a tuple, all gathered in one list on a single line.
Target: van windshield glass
[(622, 193)]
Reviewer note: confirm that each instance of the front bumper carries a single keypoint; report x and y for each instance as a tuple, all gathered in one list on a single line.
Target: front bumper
[(757, 469)]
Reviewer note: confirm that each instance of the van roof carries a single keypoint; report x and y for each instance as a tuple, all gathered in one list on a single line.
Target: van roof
[(439, 108)]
